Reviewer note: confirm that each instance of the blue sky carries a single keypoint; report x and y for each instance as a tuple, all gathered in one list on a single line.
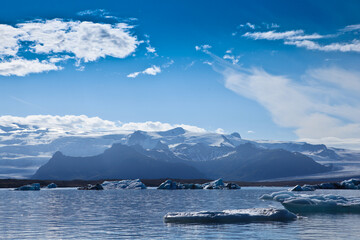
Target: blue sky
[(283, 70)]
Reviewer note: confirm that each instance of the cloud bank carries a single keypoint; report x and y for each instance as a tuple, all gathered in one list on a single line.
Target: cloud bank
[(37, 129)]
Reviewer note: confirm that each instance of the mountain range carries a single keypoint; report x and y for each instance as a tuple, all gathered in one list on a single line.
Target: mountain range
[(201, 153)]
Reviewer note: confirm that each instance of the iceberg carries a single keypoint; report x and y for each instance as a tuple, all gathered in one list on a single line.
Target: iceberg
[(299, 188), (52, 185), (124, 184), (32, 187), (219, 184), (172, 185), (231, 216), (346, 184), (350, 184), (326, 203)]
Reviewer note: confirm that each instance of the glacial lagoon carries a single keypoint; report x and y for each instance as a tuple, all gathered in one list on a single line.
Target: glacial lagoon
[(66, 213)]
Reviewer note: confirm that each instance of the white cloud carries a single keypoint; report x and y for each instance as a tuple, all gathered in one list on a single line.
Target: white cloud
[(250, 132), (350, 28), (248, 25), (354, 46), (228, 56), (288, 35), (9, 40), (153, 70), (202, 47), (88, 41), (349, 80), (61, 40), (22, 67), (151, 49)]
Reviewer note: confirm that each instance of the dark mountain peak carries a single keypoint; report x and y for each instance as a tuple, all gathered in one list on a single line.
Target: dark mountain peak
[(235, 134), (173, 132), (136, 137), (58, 154), (118, 162)]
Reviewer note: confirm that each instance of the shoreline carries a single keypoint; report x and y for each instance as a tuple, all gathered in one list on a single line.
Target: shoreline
[(14, 183)]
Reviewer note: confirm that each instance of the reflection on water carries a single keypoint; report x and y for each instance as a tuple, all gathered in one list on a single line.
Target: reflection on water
[(66, 214)]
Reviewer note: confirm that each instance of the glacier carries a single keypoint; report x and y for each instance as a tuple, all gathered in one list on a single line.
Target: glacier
[(123, 184), (231, 216)]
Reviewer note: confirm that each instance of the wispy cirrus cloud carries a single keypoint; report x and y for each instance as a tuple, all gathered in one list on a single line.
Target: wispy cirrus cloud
[(298, 38), (353, 46), (288, 35), (57, 40), (324, 105)]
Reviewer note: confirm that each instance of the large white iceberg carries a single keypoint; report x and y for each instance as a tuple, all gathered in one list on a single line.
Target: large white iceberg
[(231, 216), (124, 184), (303, 203)]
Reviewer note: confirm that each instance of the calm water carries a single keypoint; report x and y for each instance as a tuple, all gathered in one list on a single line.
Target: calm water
[(126, 214)]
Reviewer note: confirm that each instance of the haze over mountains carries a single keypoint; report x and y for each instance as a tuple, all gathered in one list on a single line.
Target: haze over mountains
[(175, 153)]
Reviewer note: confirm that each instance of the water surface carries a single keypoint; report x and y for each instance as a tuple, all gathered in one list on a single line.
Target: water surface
[(126, 214)]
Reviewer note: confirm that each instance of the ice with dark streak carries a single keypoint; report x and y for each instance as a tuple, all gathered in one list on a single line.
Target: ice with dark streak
[(231, 216)]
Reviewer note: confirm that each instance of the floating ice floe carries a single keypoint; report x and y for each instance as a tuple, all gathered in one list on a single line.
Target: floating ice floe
[(124, 184), (303, 203), (231, 216), (32, 187)]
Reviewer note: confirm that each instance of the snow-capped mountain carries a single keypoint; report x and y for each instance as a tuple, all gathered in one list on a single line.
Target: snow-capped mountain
[(23, 149)]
